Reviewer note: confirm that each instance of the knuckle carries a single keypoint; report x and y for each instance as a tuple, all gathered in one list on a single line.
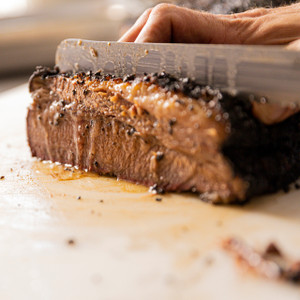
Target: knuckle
[(163, 8), (260, 11)]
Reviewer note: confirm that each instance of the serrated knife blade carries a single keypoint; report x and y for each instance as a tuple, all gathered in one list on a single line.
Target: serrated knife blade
[(264, 71)]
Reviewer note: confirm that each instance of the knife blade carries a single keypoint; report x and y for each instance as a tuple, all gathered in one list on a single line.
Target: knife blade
[(264, 71)]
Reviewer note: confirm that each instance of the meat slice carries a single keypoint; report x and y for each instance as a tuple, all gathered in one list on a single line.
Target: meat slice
[(170, 134)]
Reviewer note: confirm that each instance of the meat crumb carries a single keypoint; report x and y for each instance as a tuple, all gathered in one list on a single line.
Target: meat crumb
[(2, 177), (267, 263), (272, 249), (71, 242)]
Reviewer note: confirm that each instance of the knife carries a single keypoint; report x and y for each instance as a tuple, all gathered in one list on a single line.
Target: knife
[(271, 72)]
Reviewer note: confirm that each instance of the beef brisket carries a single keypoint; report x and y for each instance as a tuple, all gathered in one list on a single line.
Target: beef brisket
[(168, 133)]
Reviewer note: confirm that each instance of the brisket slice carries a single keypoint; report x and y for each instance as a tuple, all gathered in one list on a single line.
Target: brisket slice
[(160, 131)]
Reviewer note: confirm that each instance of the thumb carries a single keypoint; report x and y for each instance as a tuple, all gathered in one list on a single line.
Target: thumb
[(295, 45)]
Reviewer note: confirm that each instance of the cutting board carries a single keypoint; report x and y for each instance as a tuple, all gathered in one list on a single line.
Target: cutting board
[(72, 235)]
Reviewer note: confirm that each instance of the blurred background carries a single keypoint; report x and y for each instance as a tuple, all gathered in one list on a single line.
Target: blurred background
[(30, 30)]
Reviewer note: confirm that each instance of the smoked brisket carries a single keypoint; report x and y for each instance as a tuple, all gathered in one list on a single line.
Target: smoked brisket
[(166, 133)]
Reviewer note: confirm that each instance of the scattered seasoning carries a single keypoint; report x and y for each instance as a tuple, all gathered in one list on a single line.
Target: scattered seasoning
[(85, 92), (131, 131), (155, 189), (101, 200), (181, 102), (212, 103), (93, 52), (158, 199), (96, 164), (87, 126), (129, 78), (191, 107), (2, 177), (79, 198), (71, 242), (171, 123), (218, 118), (74, 92), (208, 113), (81, 82), (226, 116), (193, 189), (159, 156)]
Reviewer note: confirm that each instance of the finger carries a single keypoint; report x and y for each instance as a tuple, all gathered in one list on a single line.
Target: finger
[(295, 45), (253, 13), (258, 12), (169, 23), (134, 31), (275, 29), (157, 28), (272, 113)]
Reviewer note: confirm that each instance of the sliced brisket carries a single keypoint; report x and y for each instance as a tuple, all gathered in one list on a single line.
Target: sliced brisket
[(160, 131)]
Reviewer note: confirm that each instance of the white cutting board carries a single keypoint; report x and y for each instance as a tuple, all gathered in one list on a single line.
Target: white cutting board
[(129, 246)]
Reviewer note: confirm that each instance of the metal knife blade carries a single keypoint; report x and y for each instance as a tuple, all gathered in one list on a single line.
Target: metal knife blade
[(264, 71)]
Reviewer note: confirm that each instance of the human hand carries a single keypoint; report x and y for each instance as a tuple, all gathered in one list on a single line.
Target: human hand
[(274, 26), (167, 23)]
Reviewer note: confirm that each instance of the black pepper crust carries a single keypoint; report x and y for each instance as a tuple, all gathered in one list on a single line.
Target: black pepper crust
[(265, 156)]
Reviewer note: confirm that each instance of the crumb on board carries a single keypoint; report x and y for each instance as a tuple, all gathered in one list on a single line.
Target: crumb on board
[(2, 177), (270, 263), (158, 199), (272, 249), (71, 242), (79, 198)]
